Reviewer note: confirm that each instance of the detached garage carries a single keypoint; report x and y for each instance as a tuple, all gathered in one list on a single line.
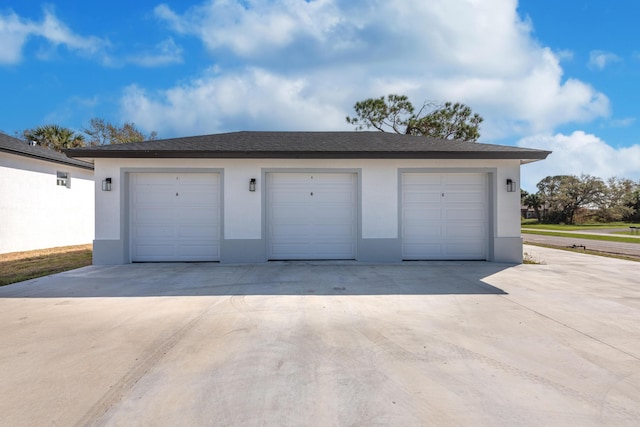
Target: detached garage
[(260, 196)]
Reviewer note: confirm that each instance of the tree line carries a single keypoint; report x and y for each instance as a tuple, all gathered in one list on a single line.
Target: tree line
[(98, 132), (569, 199)]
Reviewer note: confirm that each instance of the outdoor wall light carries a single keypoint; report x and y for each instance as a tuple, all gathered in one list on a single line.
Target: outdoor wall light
[(106, 184), (511, 186), (252, 184)]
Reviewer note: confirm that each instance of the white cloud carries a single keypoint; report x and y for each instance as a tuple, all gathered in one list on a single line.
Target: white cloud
[(15, 31), (579, 153), (249, 27), (164, 53), (477, 52), (218, 102), (599, 59)]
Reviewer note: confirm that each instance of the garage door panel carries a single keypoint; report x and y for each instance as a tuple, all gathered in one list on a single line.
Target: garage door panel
[(175, 217), (422, 196), (333, 214), (289, 196), (419, 232), (467, 197), (148, 197), (204, 215), (335, 197), (334, 232), (422, 179), (463, 250), (292, 232), (154, 215), (196, 233), (196, 198), (155, 180), (155, 250), (196, 252), (327, 250), (425, 213), (475, 215), (158, 231), (206, 180), (463, 232), (444, 216), (462, 179), (290, 250)]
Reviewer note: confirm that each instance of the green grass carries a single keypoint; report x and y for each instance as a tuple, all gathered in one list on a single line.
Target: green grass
[(575, 227), (602, 237), (588, 252), (20, 266)]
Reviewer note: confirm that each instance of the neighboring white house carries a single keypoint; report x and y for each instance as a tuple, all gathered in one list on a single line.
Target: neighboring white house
[(259, 196), (46, 198)]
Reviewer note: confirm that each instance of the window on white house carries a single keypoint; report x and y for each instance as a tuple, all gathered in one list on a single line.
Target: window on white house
[(63, 179)]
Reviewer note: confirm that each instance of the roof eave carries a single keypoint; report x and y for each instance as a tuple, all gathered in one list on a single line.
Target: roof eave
[(194, 154), (88, 165)]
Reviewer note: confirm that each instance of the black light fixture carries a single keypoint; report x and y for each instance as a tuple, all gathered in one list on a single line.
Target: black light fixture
[(511, 185), (106, 184), (252, 184)]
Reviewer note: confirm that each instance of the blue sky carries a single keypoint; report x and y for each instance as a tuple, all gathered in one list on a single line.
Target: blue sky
[(561, 76)]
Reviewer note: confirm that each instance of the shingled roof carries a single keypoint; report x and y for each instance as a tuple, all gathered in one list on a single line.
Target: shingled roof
[(9, 144), (309, 145)]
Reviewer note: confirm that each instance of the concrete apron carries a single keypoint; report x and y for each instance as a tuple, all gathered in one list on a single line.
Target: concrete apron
[(325, 343)]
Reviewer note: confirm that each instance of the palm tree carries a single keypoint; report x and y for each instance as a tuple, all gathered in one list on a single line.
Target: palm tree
[(54, 137), (533, 201)]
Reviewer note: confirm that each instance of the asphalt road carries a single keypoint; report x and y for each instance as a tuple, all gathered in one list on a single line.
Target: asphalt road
[(631, 249)]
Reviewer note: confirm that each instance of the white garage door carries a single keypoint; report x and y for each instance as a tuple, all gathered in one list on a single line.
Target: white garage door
[(311, 215), (444, 216), (175, 217)]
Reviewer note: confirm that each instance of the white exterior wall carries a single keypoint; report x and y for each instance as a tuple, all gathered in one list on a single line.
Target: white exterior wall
[(243, 216), (35, 213)]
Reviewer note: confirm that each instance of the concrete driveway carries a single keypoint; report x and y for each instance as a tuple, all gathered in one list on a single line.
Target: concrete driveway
[(325, 343)]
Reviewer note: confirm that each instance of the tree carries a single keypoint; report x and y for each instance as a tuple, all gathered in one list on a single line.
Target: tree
[(54, 137), (101, 132), (634, 204), (617, 202), (451, 121), (566, 194)]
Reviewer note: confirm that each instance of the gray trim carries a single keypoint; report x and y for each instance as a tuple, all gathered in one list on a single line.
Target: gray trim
[(125, 200), (240, 251), (380, 250), (356, 171), (493, 213), (109, 252), (507, 249), (492, 202)]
